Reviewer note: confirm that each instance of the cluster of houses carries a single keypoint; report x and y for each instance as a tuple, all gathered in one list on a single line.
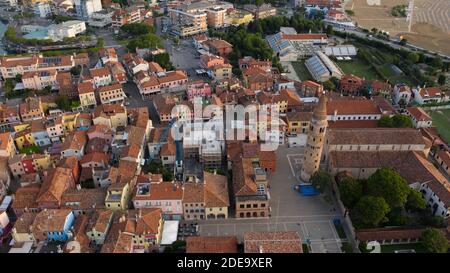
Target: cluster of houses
[(83, 176)]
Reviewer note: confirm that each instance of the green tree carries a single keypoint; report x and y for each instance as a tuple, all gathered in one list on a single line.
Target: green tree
[(437, 62), (385, 121), (144, 41), (137, 29), (435, 240), (329, 85), (401, 121), (413, 57), (390, 185), (370, 211), (18, 78), (76, 70), (351, 191), (442, 79), (321, 180), (8, 86), (415, 201), (63, 102)]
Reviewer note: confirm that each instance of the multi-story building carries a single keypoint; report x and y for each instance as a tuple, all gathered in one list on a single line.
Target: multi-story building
[(85, 8), (261, 12), (31, 109), (250, 189), (207, 200), (87, 95), (216, 17), (11, 66), (43, 9), (101, 76), (111, 115), (429, 95), (126, 16), (53, 225), (419, 117), (402, 92), (111, 93), (164, 195), (38, 80), (68, 29), (187, 23)]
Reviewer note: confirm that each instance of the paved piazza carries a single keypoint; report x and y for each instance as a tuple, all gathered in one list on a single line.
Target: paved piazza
[(312, 216)]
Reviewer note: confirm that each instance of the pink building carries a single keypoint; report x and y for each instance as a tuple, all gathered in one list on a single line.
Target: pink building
[(198, 89), (164, 195), (208, 61)]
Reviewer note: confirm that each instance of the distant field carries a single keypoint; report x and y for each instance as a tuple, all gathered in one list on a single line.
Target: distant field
[(301, 70), (429, 28), (441, 119)]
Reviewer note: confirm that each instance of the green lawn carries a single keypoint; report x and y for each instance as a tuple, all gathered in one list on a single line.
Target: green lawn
[(30, 150), (418, 247), (301, 70), (359, 68), (441, 119)]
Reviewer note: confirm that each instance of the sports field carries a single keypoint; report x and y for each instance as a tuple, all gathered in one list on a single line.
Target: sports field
[(358, 68), (441, 119)]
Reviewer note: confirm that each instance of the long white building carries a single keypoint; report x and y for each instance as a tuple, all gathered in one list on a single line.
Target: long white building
[(322, 68)]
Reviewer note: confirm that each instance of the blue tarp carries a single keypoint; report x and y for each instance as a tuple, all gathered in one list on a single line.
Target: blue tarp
[(307, 190)]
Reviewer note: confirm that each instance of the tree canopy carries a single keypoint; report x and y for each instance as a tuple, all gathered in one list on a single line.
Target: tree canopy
[(321, 180), (435, 240), (144, 41), (351, 191), (137, 29), (370, 211), (388, 184), (397, 121)]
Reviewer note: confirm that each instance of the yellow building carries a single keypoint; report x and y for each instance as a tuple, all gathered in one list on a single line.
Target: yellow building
[(42, 161), (24, 138), (118, 196), (150, 224), (21, 127), (298, 122), (222, 71), (86, 95), (69, 121), (241, 17)]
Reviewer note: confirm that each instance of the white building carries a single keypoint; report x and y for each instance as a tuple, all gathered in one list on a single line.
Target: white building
[(419, 117), (437, 195), (85, 8), (66, 29), (401, 92), (101, 19), (42, 9), (429, 95), (322, 68)]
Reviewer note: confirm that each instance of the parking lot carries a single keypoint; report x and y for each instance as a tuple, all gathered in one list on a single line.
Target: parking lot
[(311, 216)]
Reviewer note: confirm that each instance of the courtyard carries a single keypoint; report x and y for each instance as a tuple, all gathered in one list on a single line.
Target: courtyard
[(312, 217)]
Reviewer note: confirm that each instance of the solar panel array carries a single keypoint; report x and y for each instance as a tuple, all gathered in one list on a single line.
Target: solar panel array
[(316, 67)]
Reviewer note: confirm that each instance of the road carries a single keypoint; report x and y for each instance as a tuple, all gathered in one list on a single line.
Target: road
[(394, 44), (312, 217)]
